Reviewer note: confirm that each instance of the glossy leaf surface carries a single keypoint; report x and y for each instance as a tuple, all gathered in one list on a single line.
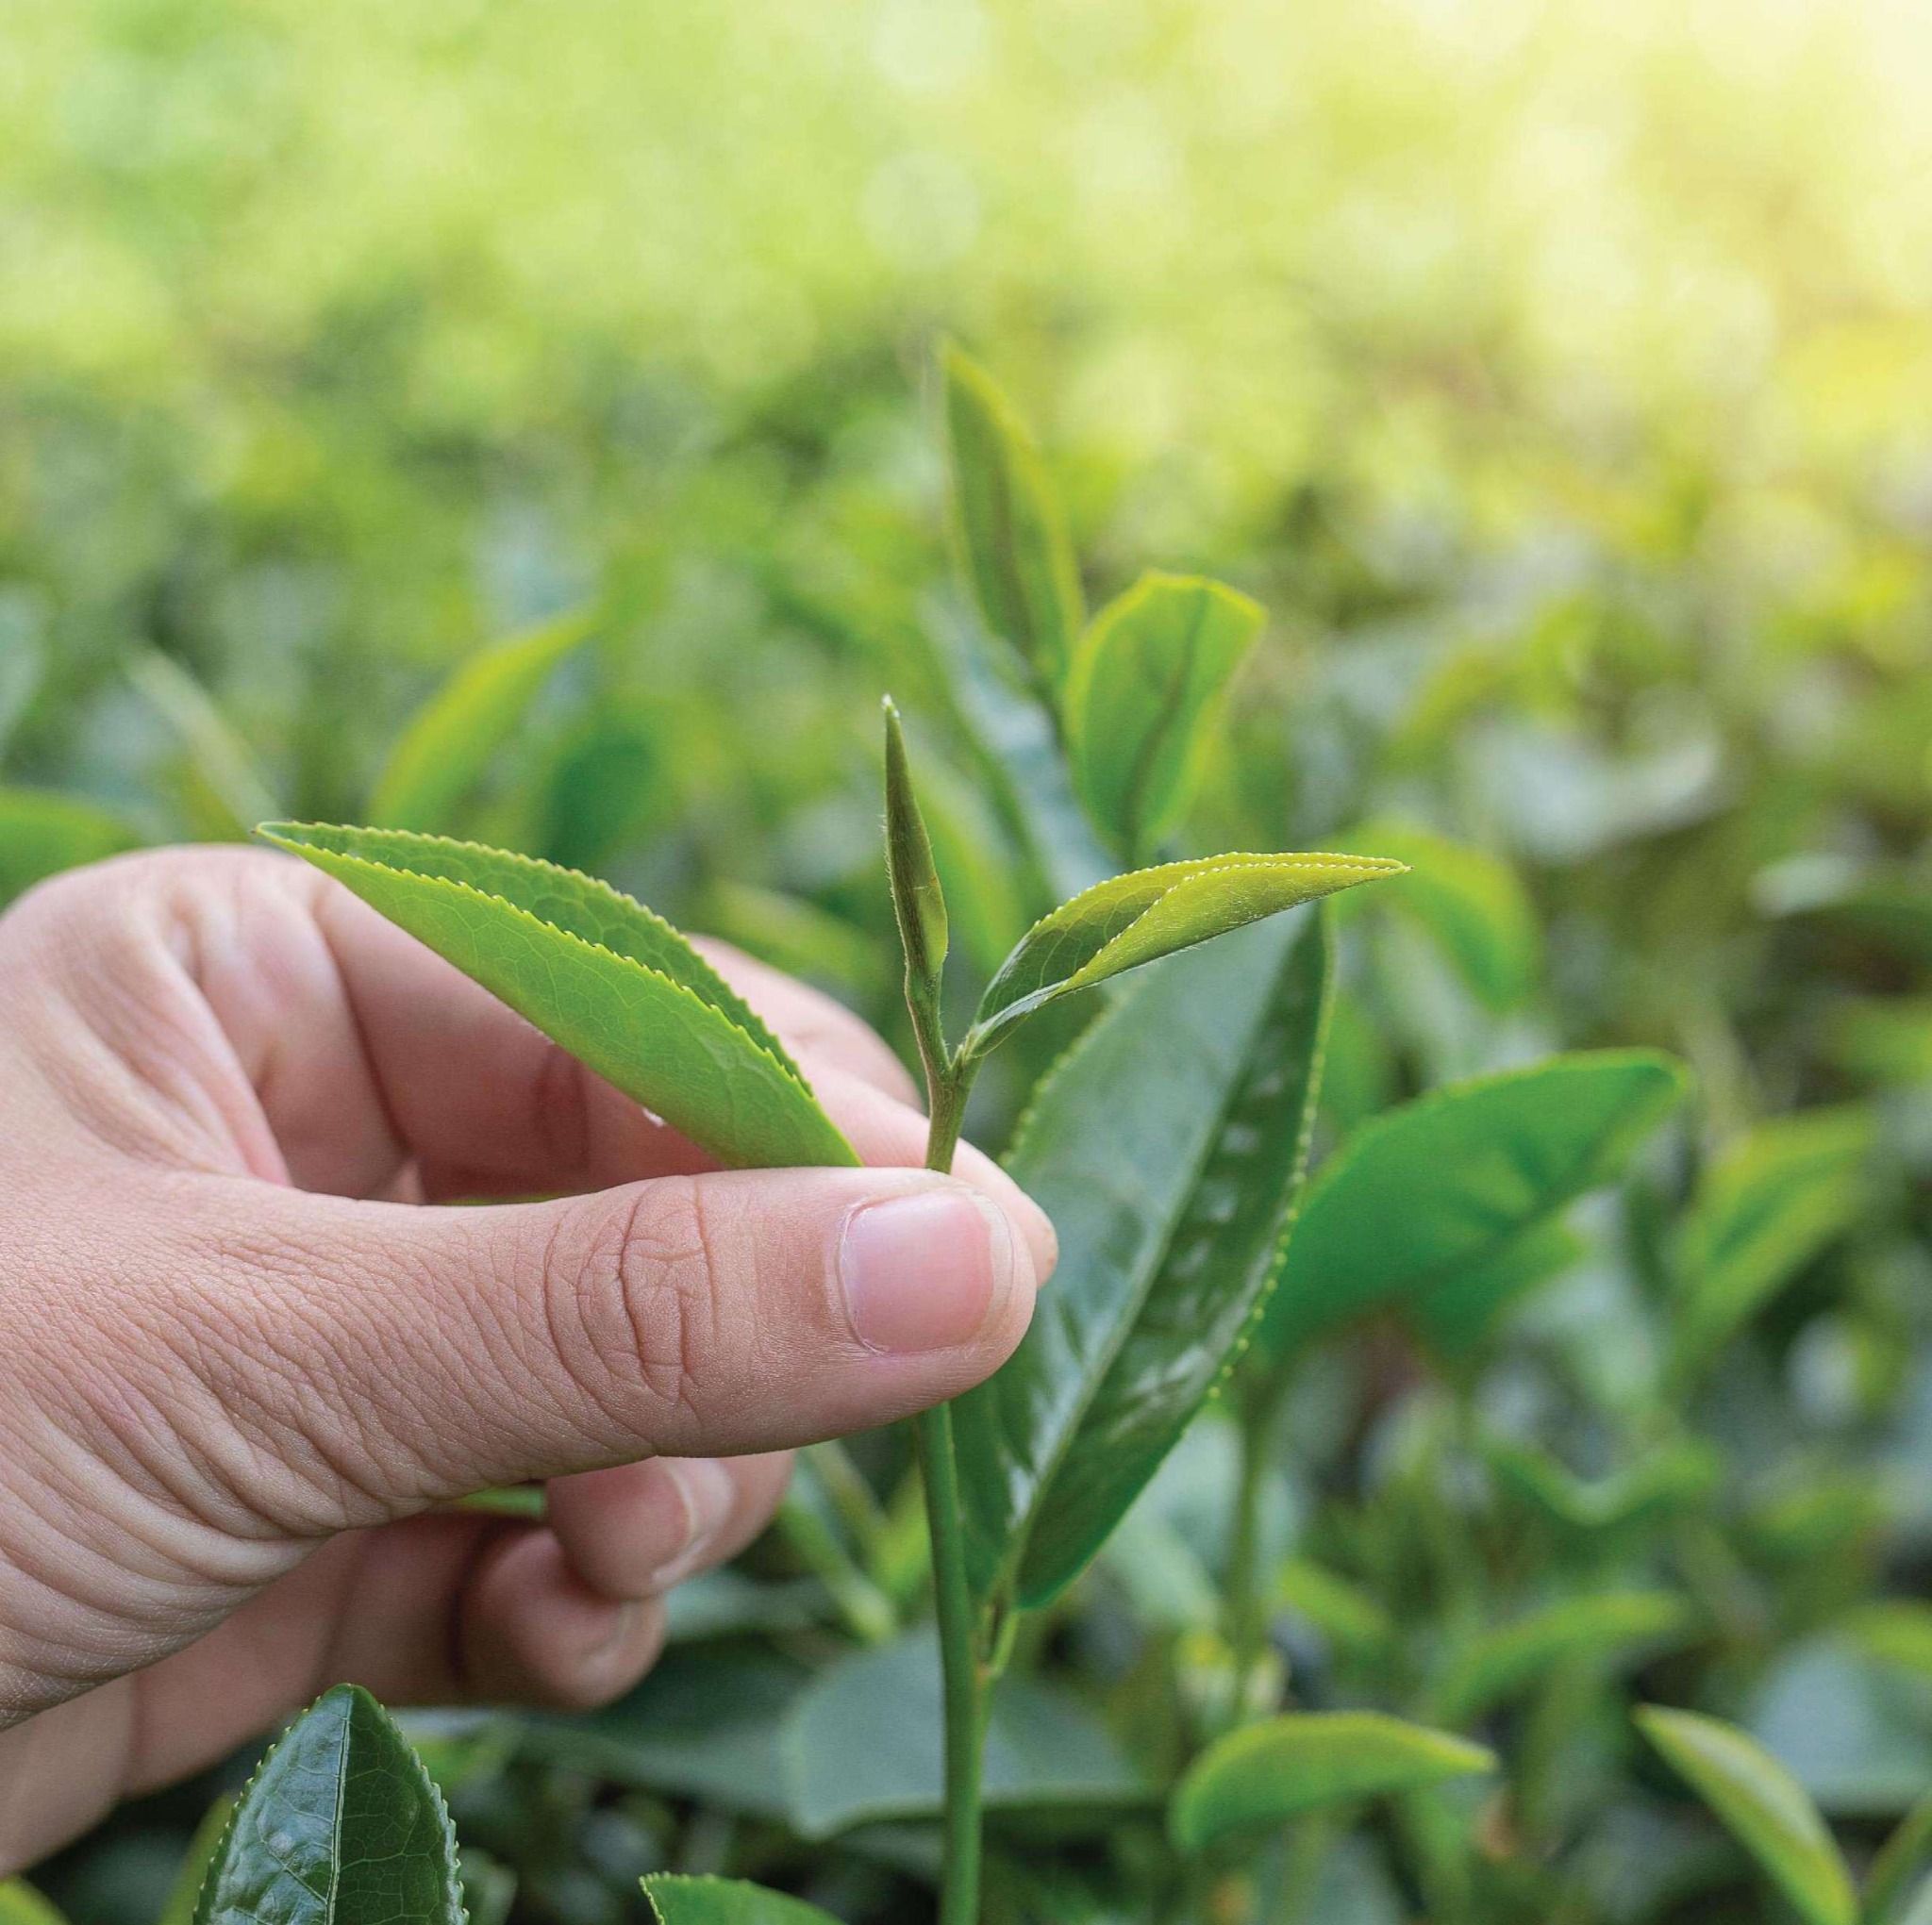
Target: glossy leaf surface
[(678, 1901), (863, 1745), (1168, 1147), (1266, 1773), (340, 1826), (1762, 1805), (1146, 682), (1019, 562), (1423, 1194), (1139, 917), (614, 984), (447, 747)]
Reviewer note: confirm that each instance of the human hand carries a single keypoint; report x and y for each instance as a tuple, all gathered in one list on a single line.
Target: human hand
[(249, 1344)]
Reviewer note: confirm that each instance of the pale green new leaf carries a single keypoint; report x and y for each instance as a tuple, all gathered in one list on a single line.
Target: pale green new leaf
[(1019, 562), (42, 833), (1168, 1147), (340, 1826), (1146, 682), (1766, 1208), (614, 984), (224, 782), (676, 1900), (1300, 1762), (196, 1863), (1424, 1193), (1498, 1664), (1135, 919), (20, 1905), (1763, 1806), (447, 746)]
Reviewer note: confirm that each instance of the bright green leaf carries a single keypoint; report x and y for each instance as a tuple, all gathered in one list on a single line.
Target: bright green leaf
[(1424, 1193), (918, 901), (1146, 682), (1266, 1773), (1019, 563), (340, 1826), (1136, 918), (1669, 1479), (20, 1905), (614, 984), (1168, 1147), (226, 785), (1766, 1208), (1460, 1311), (42, 833), (679, 1900), (195, 1863), (1762, 1805), (863, 1745), (1499, 1663), (446, 747), (1469, 900)]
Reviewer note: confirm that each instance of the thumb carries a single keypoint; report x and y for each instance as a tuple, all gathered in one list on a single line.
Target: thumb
[(432, 1352)]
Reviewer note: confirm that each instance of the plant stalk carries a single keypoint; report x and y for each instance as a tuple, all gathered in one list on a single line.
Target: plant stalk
[(964, 1686)]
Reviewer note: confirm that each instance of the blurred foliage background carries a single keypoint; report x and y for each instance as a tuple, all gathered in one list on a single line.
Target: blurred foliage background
[(1559, 375)]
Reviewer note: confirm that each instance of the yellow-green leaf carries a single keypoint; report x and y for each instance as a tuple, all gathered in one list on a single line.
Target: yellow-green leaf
[(614, 984), (1145, 685), (445, 749), (42, 833), (1266, 1773), (1763, 1807), (1018, 560), (20, 1905), (676, 1899), (1136, 918)]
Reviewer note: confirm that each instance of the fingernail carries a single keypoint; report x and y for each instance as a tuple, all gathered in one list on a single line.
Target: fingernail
[(704, 1488), (618, 1632), (926, 1270)]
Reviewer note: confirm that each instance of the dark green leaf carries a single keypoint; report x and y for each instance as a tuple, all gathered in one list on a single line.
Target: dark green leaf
[(1498, 1663), (918, 901), (1762, 1805), (679, 1900), (42, 833), (445, 750), (1136, 918), (1019, 562), (340, 1826), (1168, 1147), (1275, 1771), (1146, 682), (863, 1745), (1420, 1196), (612, 982)]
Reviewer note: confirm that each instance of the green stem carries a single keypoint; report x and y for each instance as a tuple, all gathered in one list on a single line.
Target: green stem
[(1246, 1616), (949, 1079)]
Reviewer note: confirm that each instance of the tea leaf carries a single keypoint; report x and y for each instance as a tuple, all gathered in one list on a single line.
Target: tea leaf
[(679, 1900), (1302, 1761), (1146, 679), (1497, 1664), (1767, 1206), (1469, 900), (1019, 562), (1168, 1147), (863, 1745), (340, 1826), (223, 780), (613, 983), (1459, 1313), (196, 1863), (444, 750), (1421, 1195), (20, 1905), (41, 834), (918, 901), (1762, 1805), (1135, 919)]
